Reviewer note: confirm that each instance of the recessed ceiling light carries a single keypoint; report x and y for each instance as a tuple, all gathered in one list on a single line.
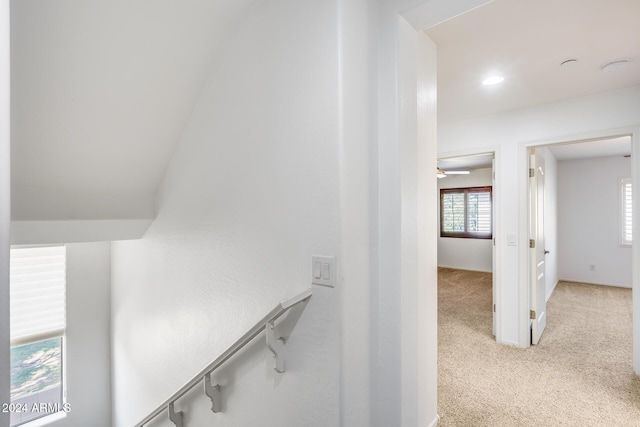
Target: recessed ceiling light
[(615, 65), (568, 62), (493, 80)]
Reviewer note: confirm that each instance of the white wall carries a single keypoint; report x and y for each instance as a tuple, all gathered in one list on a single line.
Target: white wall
[(5, 204), (589, 219), (465, 254), (87, 349), (277, 163), (251, 193), (509, 134), (417, 310), (279, 160)]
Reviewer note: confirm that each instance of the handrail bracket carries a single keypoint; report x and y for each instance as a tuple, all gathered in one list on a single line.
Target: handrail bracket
[(276, 345), (213, 391), (176, 418)]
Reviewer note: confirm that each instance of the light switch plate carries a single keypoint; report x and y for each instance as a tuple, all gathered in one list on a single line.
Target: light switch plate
[(323, 270)]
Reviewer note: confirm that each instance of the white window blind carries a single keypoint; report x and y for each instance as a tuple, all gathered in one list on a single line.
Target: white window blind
[(626, 217), (479, 211), (453, 208), (37, 301)]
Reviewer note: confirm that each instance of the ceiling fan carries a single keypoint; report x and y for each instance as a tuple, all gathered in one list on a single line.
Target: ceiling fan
[(443, 173)]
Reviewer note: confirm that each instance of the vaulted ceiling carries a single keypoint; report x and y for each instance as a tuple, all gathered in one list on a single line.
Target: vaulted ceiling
[(100, 93), (101, 90)]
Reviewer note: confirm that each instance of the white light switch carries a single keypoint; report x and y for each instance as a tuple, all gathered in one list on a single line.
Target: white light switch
[(324, 270), (317, 270), (512, 240)]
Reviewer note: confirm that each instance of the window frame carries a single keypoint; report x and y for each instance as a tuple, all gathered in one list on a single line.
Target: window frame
[(466, 234), (60, 407)]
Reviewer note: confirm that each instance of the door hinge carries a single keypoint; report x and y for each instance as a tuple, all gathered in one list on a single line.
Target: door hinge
[(532, 172), (494, 308), (532, 314), (532, 243)]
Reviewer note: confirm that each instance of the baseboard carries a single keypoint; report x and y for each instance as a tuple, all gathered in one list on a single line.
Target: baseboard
[(435, 422), (553, 288), (465, 269), (615, 285), (509, 343)]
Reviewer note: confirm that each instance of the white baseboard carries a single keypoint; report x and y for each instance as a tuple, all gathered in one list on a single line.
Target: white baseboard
[(615, 285), (465, 269), (435, 422), (552, 290)]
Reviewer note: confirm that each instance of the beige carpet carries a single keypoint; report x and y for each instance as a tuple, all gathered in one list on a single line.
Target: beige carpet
[(580, 374)]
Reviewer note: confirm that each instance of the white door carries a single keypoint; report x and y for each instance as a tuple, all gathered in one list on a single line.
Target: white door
[(538, 313)]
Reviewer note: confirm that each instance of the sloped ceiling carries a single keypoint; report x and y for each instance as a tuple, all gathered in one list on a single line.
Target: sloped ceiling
[(100, 93), (101, 90)]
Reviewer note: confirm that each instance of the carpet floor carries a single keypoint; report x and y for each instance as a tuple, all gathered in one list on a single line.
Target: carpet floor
[(580, 373)]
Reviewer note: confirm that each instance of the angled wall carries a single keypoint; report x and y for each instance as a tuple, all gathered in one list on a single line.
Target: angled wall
[(251, 193)]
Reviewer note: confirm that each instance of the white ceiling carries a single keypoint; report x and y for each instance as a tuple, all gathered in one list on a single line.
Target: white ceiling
[(620, 146), (476, 161), (101, 90), (526, 41)]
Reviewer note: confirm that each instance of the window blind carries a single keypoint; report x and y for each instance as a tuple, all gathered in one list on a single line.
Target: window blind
[(37, 293), (466, 212), (453, 207), (626, 226), (479, 211)]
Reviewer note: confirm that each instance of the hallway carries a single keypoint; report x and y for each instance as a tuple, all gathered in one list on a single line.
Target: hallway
[(579, 375)]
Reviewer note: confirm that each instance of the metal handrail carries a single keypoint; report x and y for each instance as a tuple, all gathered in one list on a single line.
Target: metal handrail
[(205, 373)]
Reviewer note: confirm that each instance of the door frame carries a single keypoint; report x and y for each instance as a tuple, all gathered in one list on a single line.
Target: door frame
[(523, 165), (496, 226)]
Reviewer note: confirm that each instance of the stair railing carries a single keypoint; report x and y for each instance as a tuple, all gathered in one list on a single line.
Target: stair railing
[(275, 344)]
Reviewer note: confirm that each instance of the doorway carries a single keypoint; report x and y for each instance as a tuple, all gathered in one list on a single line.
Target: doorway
[(583, 216), (466, 188)]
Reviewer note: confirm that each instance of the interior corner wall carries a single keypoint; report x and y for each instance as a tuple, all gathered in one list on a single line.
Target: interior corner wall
[(589, 221), (358, 87), (251, 193), (5, 203), (406, 286), (425, 403), (417, 315), (465, 254), (88, 338), (512, 132)]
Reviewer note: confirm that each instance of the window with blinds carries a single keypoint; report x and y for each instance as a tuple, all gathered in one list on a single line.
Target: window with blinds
[(37, 314), (466, 212), (626, 212)]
